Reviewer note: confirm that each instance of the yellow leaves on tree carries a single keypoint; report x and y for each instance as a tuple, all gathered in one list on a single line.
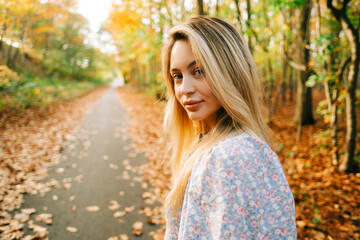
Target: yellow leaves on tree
[(123, 17), (6, 76)]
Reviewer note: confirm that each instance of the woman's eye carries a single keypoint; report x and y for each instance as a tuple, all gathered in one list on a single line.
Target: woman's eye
[(198, 72), (177, 77)]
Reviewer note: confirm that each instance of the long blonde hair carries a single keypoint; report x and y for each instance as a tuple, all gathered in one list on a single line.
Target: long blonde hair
[(230, 71)]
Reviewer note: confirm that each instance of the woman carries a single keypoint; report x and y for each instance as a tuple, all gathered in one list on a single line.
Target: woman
[(227, 182)]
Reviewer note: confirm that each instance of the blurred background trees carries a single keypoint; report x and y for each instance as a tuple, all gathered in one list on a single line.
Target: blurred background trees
[(45, 55)]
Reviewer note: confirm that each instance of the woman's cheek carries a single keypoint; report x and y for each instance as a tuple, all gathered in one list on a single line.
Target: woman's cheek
[(177, 94)]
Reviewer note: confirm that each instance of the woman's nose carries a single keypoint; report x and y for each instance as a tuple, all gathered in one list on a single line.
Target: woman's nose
[(188, 86)]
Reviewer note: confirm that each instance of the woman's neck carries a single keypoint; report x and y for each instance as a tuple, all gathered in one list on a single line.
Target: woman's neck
[(207, 125)]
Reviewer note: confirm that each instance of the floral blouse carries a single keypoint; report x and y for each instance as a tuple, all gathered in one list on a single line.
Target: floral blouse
[(237, 190)]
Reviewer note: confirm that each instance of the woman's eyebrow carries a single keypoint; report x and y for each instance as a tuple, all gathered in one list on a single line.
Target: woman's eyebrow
[(189, 66)]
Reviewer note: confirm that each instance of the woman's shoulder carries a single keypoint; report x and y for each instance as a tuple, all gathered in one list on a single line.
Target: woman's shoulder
[(242, 151), (240, 144)]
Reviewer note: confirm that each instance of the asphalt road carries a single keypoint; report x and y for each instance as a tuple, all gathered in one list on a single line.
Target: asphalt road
[(97, 166)]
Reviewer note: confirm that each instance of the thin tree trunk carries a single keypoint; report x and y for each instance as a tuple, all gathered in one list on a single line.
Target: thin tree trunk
[(238, 14), (349, 164), (285, 67), (9, 55), (201, 7), (3, 31), (217, 8), (283, 84), (292, 85), (276, 100), (304, 114), (270, 88), (334, 129), (248, 23), (23, 39), (13, 59)]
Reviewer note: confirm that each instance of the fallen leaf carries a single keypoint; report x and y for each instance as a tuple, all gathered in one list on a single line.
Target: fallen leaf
[(41, 231), (147, 195), (119, 214), (124, 237), (28, 210), (129, 209), (92, 208), (137, 228), (113, 166), (44, 217), (78, 178), (71, 229), (144, 185), (301, 224), (149, 201), (113, 205), (60, 170), (22, 217), (67, 186), (113, 238)]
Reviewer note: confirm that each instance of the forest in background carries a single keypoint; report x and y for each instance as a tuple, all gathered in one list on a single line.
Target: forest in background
[(300, 46), (45, 54)]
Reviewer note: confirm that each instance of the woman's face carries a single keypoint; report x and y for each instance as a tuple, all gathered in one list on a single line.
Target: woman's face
[(191, 88)]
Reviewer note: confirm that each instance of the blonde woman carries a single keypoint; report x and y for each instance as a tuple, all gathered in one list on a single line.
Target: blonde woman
[(227, 182)]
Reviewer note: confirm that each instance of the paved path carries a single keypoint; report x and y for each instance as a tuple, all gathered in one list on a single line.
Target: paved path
[(97, 165)]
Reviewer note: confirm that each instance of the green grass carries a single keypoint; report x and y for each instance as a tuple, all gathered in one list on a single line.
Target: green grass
[(33, 92)]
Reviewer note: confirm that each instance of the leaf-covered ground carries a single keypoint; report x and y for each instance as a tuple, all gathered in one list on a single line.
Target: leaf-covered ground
[(327, 201), (30, 142)]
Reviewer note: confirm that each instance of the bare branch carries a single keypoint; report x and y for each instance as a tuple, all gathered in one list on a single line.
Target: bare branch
[(333, 9), (342, 68), (292, 63)]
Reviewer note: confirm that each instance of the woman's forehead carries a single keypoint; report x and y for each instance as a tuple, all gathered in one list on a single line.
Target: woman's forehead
[(181, 55)]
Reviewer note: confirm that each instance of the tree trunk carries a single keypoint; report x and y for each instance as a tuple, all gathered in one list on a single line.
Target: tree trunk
[(349, 164), (24, 37), (3, 31), (334, 129), (292, 85), (13, 59), (285, 67), (238, 14), (217, 9), (248, 23), (304, 115), (201, 7), (9, 57), (271, 100)]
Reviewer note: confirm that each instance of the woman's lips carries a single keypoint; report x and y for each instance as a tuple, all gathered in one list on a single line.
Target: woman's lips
[(192, 105)]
